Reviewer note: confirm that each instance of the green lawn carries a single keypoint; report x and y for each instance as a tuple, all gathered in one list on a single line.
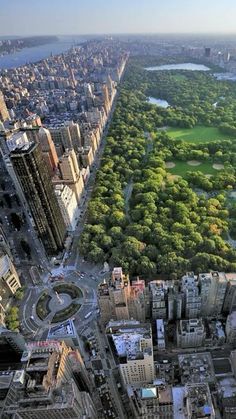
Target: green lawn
[(198, 134), (178, 77), (181, 168)]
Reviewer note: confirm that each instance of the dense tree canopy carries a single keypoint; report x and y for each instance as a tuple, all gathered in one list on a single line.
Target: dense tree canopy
[(140, 216)]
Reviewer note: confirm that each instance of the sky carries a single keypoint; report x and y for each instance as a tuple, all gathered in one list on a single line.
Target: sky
[(65, 17)]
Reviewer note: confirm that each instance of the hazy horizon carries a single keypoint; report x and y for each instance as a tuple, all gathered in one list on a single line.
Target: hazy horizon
[(129, 17)]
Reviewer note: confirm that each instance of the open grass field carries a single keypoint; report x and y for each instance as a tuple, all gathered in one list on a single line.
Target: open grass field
[(198, 134), (181, 168), (178, 77)]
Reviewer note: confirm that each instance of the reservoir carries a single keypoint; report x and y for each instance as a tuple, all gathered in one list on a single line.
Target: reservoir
[(159, 102), (184, 66)]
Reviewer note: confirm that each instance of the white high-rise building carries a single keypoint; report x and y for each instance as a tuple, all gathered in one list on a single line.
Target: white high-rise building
[(190, 333), (133, 343), (70, 173), (213, 289), (68, 205), (192, 299)]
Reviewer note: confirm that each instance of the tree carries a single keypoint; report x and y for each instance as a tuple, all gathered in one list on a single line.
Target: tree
[(19, 294), (146, 267), (96, 254)]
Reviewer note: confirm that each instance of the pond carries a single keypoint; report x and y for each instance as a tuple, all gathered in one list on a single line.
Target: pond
[(159, 102), (183, 66)]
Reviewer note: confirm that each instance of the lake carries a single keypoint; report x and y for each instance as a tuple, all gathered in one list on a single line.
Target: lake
[(159, 102), (183, 66), (34, 54), (225, 76)]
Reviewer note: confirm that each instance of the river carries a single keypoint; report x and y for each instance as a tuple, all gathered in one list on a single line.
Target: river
[(34, 54)]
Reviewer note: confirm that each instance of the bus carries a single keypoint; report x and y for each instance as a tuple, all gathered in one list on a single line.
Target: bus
[(88, 315)]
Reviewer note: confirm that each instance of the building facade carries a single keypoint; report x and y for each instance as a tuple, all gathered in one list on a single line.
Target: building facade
[(190, 333), (68, 206), (4, 114), (34, 178), (133, 346)]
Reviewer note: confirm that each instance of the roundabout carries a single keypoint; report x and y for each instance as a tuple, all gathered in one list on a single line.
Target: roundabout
[(59, 303), (69, 297)]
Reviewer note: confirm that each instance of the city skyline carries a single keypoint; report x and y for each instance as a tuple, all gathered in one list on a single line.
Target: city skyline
[(99, 17)]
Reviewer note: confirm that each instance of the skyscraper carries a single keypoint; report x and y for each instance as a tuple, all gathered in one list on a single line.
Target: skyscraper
[(70, 173), (4, 115), (29, 165), (46, 387), (134, 348), (48, 148)]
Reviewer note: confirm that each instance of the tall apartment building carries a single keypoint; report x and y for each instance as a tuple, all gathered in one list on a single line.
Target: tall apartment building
[(75, 134), (113, 297), (190, 333), (192, 298), (45, 387), (70, 173), (9, 279), (68, 206), (4, 114), (175, 304), (86, 155), (48, 148), (137, 300), (120, 300), (158, 295), (230, 296), (230, 328), (134, 349), (66, 136), (213, 289), (34, 178), (152, 401)]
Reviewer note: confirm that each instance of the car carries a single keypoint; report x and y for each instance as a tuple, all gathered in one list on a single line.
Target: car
[(88, 315)]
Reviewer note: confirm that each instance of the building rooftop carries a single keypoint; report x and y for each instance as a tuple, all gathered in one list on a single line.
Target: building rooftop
[(4, 264), (160, 329), (148, 393), (128, 336), (199, 401), (66, 329), (190, 325), (227, 387), (22, 148), (196, 368), (178, 399)]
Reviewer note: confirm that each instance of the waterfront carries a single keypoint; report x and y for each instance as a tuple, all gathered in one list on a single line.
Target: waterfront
[(34, 54), (183, 66)]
